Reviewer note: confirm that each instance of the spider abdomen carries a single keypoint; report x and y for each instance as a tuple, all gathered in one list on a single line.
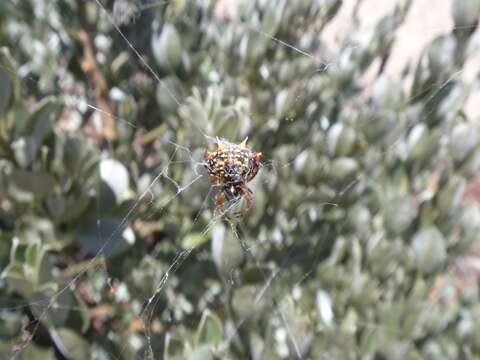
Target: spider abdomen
[(232, 166)]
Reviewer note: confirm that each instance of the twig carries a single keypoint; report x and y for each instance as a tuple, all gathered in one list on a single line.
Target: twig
[(91, 68)]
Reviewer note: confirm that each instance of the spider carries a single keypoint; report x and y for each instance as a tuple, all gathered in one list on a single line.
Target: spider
[(232, 166)]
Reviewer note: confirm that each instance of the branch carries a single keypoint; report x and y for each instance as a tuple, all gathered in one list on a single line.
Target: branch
[(93, 72)]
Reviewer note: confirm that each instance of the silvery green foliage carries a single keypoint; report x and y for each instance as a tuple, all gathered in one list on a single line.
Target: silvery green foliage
[(358, 215)]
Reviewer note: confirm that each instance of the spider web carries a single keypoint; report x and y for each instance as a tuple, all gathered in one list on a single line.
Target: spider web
[(189, 159), (148, 312)]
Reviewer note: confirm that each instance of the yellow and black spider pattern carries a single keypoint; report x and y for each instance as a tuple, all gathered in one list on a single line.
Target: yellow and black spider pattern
[(231, 167)]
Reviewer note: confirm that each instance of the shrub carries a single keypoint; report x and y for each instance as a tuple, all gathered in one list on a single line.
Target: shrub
[(109, 243)]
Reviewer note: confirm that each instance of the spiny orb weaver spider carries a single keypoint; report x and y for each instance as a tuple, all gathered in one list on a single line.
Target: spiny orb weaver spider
[(231, 167)]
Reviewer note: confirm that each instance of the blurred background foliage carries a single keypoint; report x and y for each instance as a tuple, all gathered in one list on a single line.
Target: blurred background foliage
[(109, 247)]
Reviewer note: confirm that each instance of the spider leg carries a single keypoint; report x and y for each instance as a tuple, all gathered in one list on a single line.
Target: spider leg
[(219, 200), (247, 195)]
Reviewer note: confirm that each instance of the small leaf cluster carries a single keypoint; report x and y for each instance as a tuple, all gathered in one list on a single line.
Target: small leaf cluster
[(110, 246)]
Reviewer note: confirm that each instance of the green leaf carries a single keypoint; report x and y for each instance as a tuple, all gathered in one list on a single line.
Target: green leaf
[(71, 345), (10, 84), (209, 330), (193, 110), (31, 133), (325, 307), (106, 236), (429, 249), (33, 254), (38, 183), (465, 14), (387, 93), (167, 48), (192, 240), (169, 93), (248, 301), (341, 140), (441, 54), (256, 275), (5, 90), (174, 348), (201, 353), (464, 139), (73, 153), (16, 280), (37, 352), (25, 149), (65, 209), (343, 169), (78, 318), (56, 305), (12, 322), (227, 251), (116, 178), (37, 267), (399, 213), (450, 197), (227, 123)]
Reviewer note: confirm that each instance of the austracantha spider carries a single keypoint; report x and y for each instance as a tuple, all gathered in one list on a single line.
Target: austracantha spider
[(232, 166)]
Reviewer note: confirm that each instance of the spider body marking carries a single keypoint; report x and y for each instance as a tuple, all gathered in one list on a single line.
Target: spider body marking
[(232, 166)]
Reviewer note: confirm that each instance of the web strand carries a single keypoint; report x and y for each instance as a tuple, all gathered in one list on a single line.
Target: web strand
[(148, 311)]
